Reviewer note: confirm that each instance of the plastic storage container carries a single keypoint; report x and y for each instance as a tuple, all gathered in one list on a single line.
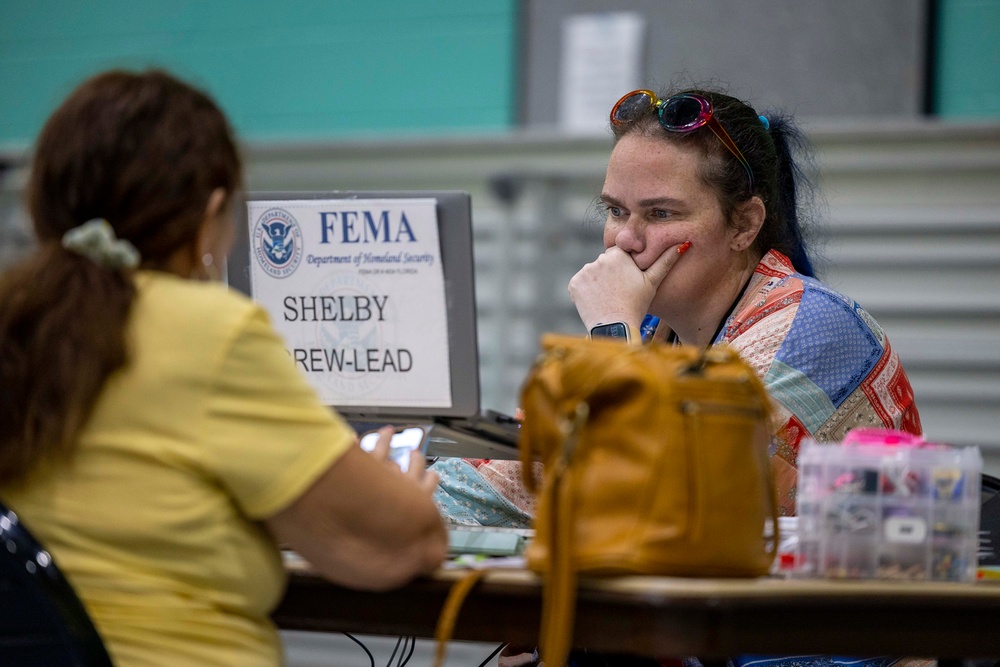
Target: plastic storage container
[(887, 505)]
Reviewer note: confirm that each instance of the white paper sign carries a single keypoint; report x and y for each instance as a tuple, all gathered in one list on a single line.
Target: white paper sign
[(601, 60), (356, 288)]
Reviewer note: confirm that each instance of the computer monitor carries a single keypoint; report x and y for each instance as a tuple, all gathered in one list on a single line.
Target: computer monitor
[(454, 225)]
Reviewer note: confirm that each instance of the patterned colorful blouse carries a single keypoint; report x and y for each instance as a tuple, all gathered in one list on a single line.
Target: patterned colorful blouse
[(825, 361)]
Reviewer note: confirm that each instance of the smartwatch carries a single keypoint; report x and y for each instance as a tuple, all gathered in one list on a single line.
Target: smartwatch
[(618, 330)]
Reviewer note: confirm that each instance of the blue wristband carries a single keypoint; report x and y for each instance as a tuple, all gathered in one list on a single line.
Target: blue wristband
[(648, 327)]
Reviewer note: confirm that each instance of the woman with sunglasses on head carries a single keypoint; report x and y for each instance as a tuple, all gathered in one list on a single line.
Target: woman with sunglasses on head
[(154, 434), (702, 232), (703, 247)]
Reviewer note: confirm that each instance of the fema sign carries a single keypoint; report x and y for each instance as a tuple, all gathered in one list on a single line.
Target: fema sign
[(356, 289), (277, 243)]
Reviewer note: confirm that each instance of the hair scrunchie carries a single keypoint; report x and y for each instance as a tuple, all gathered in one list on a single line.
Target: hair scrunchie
[(96, 240)]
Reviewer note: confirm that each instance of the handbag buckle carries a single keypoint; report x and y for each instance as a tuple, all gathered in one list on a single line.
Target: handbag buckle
[(571, 429)]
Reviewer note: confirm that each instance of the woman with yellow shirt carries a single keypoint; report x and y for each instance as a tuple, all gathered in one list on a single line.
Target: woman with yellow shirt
[(154, 434)]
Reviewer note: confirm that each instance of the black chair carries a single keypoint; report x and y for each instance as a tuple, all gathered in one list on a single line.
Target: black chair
[(42, 621)]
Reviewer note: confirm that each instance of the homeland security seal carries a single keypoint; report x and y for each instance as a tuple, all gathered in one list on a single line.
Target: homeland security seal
[(277, 242)]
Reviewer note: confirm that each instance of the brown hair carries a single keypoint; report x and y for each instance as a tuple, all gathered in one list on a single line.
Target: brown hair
[(144, 151), (768, 149)]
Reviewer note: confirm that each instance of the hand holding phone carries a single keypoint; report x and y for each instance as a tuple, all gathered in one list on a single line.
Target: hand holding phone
[(403, 441)]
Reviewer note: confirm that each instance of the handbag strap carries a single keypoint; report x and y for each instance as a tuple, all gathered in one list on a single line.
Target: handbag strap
[(559, 591), (772, 487), (555, 354), (772, 496), (449, 612)]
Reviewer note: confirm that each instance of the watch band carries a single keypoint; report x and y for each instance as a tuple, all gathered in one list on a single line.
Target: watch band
[(616, 330)]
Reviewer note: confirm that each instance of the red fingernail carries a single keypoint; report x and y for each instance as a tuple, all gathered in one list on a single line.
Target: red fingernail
[(683, 248)]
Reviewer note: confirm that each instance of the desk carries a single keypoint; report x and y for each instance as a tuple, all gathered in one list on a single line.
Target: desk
[(666, 616)]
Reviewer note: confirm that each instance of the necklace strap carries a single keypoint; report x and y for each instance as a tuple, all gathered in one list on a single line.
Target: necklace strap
[(672, 336)]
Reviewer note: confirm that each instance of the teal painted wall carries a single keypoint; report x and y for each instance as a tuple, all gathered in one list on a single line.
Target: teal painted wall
[(968, 59), (297, 70)]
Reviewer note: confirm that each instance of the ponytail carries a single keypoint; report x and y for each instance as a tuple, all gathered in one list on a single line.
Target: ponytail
[(122, 173), (790, 180), (62, 334)]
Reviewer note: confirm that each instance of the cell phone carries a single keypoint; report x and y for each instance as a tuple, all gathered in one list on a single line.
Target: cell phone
[(403, 442)]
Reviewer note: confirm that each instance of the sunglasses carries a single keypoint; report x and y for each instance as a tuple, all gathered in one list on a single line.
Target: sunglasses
[(681, 113)]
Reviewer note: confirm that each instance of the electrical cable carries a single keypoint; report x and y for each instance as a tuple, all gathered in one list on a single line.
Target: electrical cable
[(402, 651), (358, 642), (491, 655), (394, 649), (402, 661)]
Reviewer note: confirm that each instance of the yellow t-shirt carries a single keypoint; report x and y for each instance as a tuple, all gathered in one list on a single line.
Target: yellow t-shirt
[(208, 430)]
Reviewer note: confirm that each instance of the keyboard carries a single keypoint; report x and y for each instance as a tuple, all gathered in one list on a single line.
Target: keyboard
[(500, 428)]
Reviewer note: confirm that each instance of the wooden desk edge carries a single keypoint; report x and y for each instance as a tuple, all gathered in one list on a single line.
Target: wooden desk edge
[(664, 616)]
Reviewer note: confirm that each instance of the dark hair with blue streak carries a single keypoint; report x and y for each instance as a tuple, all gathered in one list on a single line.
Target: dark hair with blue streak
[(778, 179)]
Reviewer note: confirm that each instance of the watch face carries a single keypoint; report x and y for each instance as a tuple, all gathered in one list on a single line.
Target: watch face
[(613, 330)]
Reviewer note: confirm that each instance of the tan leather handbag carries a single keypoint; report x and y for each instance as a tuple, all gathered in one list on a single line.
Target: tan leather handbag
[(656, 462)]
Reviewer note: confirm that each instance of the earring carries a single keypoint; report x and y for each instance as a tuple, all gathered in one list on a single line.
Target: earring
[(209, 272)]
